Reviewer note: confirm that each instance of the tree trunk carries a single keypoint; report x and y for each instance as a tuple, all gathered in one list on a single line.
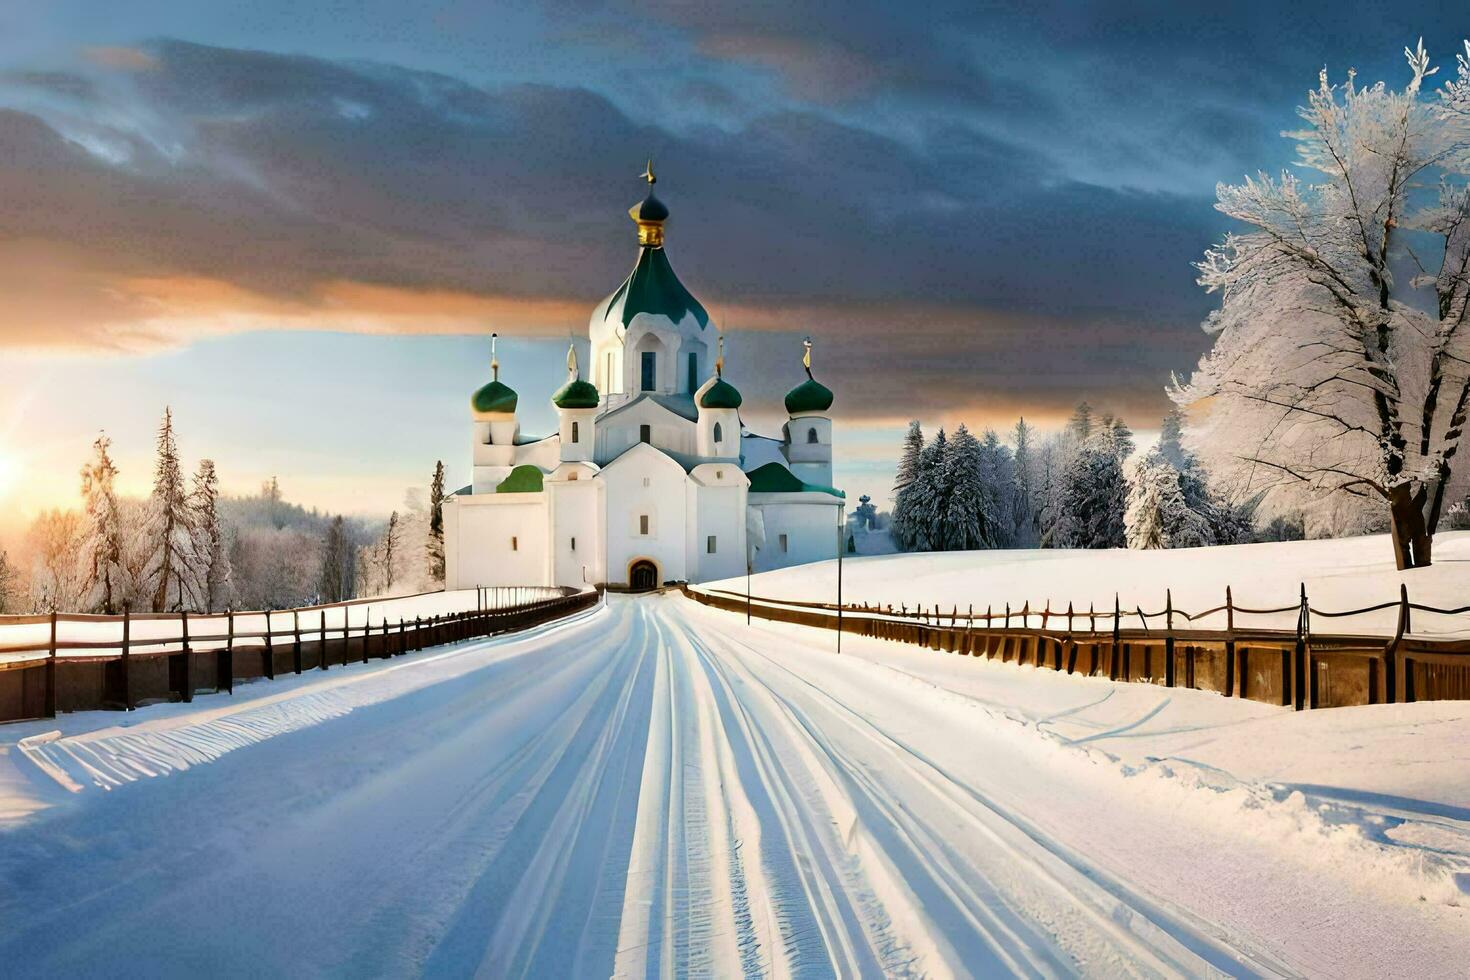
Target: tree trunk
[(1412, 536)]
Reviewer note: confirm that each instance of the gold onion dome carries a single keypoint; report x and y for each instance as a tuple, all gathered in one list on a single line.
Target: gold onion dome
[(650, 213)]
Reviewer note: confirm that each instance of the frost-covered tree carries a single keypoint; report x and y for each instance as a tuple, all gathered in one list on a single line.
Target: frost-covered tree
[(9, 584), (211, 550), (918, 511), (436, 525), (53, 543), (908, 460), (169, 576), (1024, 512), (967, 520), (103, 578), (1159, 513), (1093, 495), (997, 474), (338, 560), (1330, 370)]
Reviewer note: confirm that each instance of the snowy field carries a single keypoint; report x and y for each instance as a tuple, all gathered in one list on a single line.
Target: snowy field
[(654, 788), (1341, 574)]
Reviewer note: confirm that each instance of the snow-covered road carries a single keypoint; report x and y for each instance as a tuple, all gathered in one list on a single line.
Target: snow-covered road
[(654, 788)]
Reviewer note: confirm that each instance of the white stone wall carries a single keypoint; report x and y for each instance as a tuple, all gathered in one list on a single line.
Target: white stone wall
[(717, 493), (645, 482), (809, 522), (477, 540), (577, 531)]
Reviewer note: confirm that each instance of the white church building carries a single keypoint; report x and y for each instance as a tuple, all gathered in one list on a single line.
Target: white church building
[(651, 477)]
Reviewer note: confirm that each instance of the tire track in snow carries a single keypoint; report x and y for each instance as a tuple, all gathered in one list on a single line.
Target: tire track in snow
[(1149, 937)]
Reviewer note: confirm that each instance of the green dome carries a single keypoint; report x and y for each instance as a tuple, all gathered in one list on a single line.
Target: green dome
[(721, 394), (809, 396), (494, 397), (523, 479), (576, 394)]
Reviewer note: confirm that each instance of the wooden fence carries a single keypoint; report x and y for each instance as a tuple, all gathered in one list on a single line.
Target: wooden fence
[(1300, 667), (82, 662)]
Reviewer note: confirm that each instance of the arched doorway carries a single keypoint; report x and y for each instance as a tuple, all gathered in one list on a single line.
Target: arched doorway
[(643, 576)]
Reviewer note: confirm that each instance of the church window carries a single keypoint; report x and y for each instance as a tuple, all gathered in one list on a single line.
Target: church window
[(572, 475), (783, 544), (719, 474), (709, 544), (719, 433), (645, 433), (513, 544), (642, 523), (574, 544), (576, 433), (811, 435), (693, 373), (649, 363)]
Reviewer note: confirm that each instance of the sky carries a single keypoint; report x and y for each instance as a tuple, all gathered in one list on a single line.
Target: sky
[(296, 223)]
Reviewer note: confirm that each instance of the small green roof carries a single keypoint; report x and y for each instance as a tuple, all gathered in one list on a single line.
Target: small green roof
[(653, 288), (721, 394), (576, 394), (775, 478), (494, 397), (523, 479), (809, 396)]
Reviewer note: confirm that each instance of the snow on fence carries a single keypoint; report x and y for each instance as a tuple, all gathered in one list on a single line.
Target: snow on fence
[(76, 662), (1298, 667)]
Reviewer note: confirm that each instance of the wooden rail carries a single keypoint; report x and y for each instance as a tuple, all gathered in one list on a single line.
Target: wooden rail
[(1297, 667), (122, 670)]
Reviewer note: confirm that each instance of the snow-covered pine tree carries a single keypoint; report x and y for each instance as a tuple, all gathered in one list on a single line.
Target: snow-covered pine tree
[(216, 588), (436, 525), (997, 473), (1024, 531), (965, 525), (100, 569), (908, 460), (918, 511), (170, 573), (1329, 373), (1094, 494)]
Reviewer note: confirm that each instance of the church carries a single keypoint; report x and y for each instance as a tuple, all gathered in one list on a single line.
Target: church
[(651, 476)]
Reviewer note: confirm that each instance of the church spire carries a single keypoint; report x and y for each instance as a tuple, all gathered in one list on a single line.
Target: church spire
[(494, 364), (649, 213)]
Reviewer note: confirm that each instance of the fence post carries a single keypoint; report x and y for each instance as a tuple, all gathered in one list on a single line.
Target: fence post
[(187, 670), (127, 659), (418, 633), (49, 708), (1169, 674), (296, 647), (1229, 685), (367, 628), (1115, 654), (1302, 675), (1405, 666), (270, 650), (322, 638), (226, 663)]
